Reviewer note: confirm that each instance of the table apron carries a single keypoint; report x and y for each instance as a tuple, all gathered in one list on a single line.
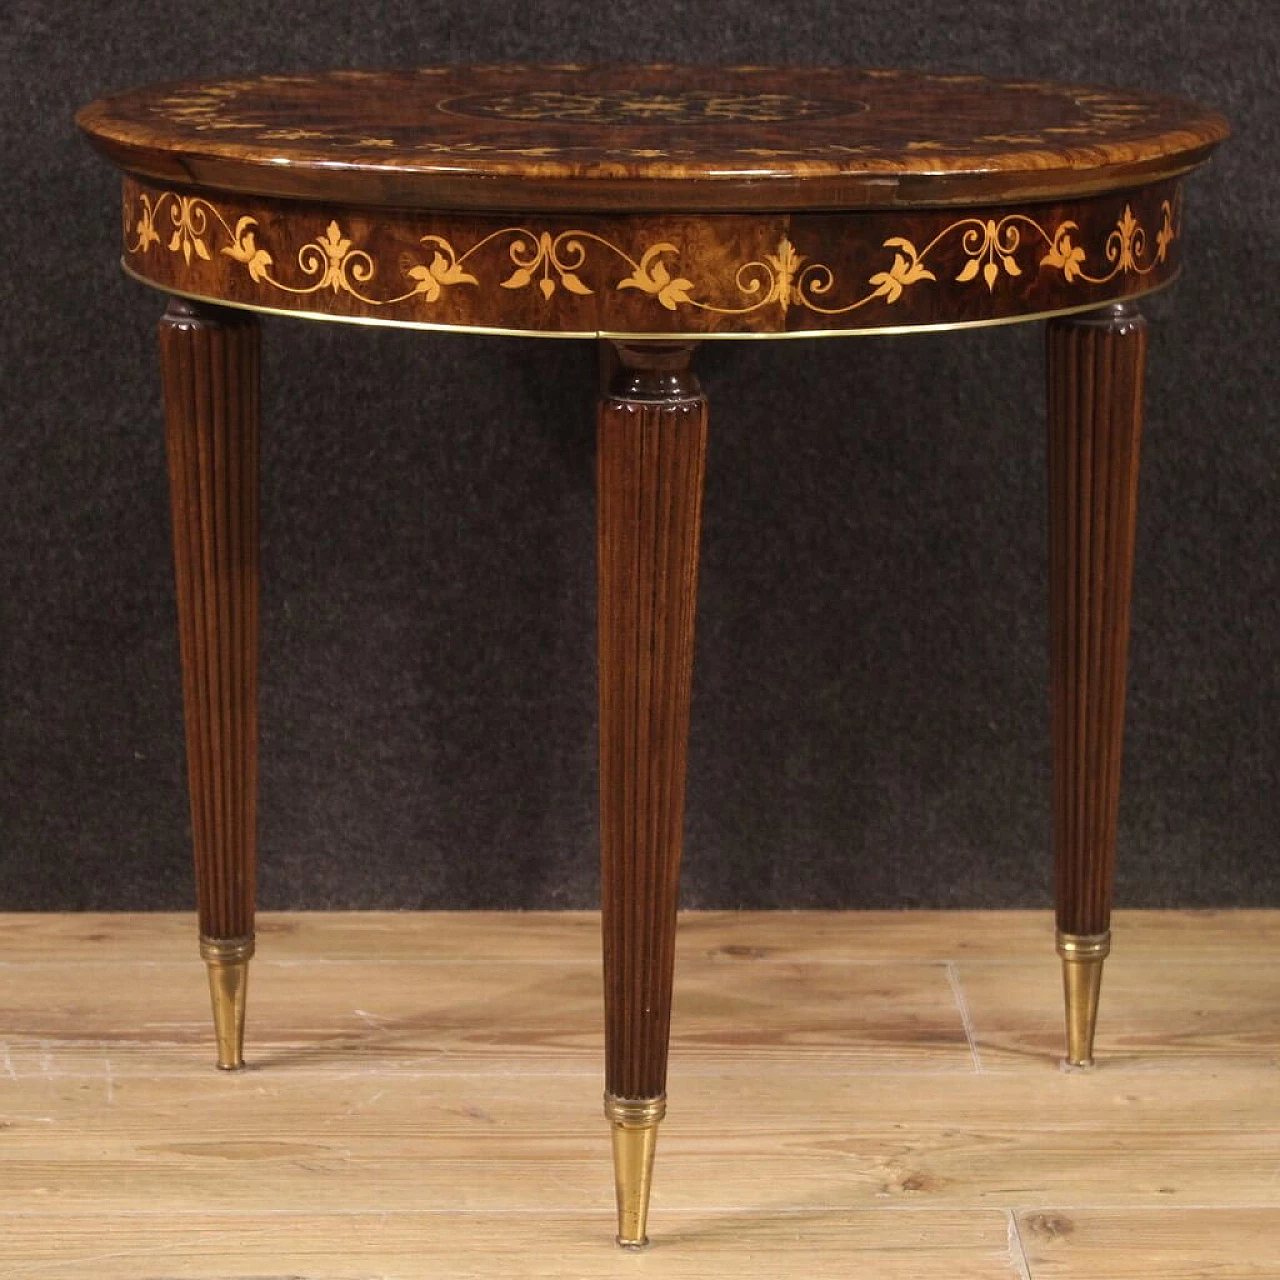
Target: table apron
[(655, 274)]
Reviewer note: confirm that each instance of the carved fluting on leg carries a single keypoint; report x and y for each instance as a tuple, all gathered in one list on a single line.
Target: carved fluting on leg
[(651, 455), (210, 366), (1096, 364)]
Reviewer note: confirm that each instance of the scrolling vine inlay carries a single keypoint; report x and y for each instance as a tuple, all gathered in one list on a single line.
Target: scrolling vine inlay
[(995, 250)]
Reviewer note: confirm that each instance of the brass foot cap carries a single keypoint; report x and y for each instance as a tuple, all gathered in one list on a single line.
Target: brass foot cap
[(634, 1126), (227, 963), (1082, 959)]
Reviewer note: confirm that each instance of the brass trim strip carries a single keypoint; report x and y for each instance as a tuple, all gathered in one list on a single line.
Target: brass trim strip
[(635, 1113), (226, 951), (1084, 946), (649, 335)]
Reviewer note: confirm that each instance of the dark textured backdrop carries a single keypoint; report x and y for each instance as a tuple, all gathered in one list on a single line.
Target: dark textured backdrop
[(870, 714)]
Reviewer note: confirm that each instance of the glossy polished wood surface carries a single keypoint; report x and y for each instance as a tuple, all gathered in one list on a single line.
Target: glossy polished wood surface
[(679, 138), (209, 360), (631, 201), (651, 455), (1095, 374), (675, 274)]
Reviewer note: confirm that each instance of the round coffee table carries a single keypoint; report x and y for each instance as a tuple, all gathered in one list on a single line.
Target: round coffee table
[(653, 207)]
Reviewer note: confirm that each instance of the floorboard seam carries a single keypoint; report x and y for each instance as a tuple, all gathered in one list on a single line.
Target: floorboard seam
[(1017, 1251), (966, 1018)]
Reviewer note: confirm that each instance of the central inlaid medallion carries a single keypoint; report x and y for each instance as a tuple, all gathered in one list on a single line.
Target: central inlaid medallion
[(644, 106)]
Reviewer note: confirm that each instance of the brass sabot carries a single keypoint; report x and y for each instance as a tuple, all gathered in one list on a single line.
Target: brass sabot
[(633, 1124), (227, 963), (1082, 959)]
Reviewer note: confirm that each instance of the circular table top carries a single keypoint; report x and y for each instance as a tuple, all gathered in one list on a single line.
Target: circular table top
[(675, 138)]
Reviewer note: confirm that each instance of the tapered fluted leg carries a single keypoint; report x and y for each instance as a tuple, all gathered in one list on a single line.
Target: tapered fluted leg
[(651, 452), (209, 360), (1095, 365)]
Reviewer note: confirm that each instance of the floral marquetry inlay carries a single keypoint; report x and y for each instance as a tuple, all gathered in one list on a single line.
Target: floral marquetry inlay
[(231, 108), (625, 139), (690, 121), (991, 254), (629, 106)]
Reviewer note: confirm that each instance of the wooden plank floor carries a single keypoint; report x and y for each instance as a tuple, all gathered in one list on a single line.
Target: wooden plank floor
[(852, 1095)]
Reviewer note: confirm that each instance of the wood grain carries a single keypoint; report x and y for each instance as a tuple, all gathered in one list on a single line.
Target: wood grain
[(368, 1140), (209, 362), (1095, 371), (737, 942), (691, 273), (1187, 1011), (539, 138), (700, 1245), (651, 454), (1174, 1244), (446, 1018), (131, 1159)]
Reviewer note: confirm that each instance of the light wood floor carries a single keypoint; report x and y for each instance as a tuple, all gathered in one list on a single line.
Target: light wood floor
[(852, 1095)]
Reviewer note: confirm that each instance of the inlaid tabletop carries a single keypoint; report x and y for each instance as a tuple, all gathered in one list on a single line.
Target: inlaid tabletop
[(652, 200), (581, 137)]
